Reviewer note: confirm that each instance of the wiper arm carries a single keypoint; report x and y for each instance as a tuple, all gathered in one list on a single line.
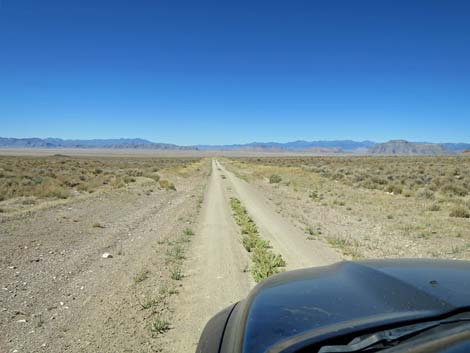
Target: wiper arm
[(360, 343)]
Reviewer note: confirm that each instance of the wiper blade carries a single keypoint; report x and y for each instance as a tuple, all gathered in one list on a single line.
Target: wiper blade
[(387, 336)]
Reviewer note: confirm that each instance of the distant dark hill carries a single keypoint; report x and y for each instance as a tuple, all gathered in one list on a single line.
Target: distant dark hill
[(99, 143), (402, 147)]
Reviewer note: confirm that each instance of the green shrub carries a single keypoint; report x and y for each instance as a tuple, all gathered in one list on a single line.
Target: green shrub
[(275, 178), (266, 264), (252, 241), (188, 232)]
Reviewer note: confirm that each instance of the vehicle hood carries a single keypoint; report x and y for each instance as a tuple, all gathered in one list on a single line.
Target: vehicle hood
[(285, 311)]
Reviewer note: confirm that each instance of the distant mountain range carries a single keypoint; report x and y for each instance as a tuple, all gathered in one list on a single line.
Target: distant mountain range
[(394, 147), (99, 143), (343, 145)]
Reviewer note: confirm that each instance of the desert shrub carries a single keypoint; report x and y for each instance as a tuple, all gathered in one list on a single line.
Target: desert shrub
[(459, 212), (434, 207), (127, 179), (52, 189), (167, 185), (117, 183), (453, 189), (135, 173), (275, 178), (424, 193)]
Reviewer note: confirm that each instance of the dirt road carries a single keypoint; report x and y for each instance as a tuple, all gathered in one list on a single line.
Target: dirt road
[(216, 268), (218, 263), (285, 238)]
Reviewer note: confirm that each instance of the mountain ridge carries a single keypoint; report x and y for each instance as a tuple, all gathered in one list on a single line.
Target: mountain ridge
[(393, 147)]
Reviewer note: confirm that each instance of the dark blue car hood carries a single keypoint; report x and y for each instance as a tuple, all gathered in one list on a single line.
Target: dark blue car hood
[(310, 305)]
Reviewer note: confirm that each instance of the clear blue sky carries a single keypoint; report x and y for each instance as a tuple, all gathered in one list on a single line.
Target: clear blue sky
[(201, 71)]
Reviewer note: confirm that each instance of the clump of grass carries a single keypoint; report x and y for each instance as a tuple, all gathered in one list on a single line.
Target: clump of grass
[(424, 235), (459, 212), (434, 207), (275, 178), (346, 245), (315, 196), (252, 241), (159, 325), (188, 232), (149, 303), (141, 276), (313, 232), (175, 253), (265, 262), (167, 185), (167, 291), (176, 273)]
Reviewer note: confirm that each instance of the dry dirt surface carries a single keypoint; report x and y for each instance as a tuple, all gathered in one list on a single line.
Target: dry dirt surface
[(60, 295)]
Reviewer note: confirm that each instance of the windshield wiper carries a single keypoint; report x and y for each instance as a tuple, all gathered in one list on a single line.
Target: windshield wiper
[(361, 343)]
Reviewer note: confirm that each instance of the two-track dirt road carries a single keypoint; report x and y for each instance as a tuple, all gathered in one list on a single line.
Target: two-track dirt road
[(217, 266), (59, 295)]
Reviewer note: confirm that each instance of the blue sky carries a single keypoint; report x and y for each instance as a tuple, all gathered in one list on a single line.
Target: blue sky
[(218, 72)]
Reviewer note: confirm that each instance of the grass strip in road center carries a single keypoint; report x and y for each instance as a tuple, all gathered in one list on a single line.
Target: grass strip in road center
[(265, 262)]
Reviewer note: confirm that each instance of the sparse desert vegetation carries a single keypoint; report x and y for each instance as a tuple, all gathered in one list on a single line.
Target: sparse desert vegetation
[(135, 233), (30, 180), (372, 206), (109, 248)]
